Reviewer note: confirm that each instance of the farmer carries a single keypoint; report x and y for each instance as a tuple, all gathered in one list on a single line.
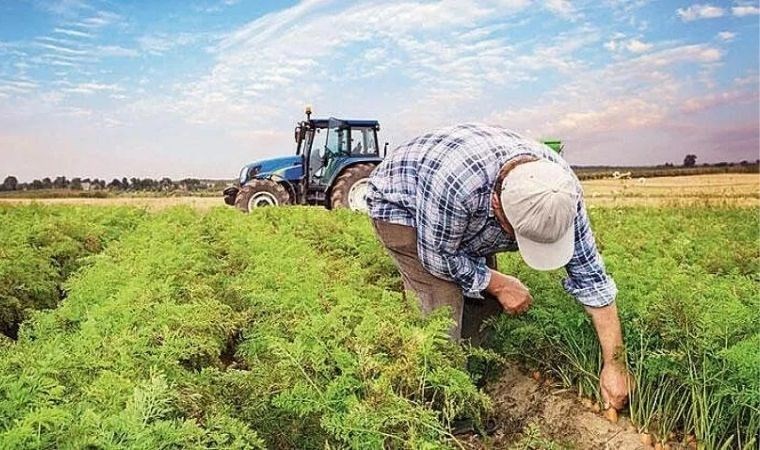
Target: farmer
[(445, 202)]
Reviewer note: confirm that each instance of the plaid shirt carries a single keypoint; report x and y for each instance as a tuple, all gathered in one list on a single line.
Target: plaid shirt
[(441, 184)]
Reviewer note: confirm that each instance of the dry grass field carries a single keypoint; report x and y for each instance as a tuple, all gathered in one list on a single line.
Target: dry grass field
[(730, 189), (714, 189)]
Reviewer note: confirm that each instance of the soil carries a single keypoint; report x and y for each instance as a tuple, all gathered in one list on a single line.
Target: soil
[(520, 402)]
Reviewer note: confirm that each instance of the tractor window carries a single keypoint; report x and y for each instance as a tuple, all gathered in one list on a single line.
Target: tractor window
[(363, 141), (336, 142)]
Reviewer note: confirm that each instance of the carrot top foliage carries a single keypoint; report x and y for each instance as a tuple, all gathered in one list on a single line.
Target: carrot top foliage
[(285, 328)]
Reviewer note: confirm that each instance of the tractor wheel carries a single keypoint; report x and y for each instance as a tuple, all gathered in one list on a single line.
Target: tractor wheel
[(350, 189), (260, 193)]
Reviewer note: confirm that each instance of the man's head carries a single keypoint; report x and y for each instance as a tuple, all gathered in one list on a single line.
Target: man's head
[(540, 200)]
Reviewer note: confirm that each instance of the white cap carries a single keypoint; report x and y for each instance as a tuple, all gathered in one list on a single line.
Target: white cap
[(540, 200)]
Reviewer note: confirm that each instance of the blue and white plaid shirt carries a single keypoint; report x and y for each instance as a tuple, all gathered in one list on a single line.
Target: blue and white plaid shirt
[(441, 184)]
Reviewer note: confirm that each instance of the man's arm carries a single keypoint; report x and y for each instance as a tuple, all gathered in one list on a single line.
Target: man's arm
[(613, 380), (589, 283)]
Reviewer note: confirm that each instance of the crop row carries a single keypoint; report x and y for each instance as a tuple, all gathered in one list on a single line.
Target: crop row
[(227, 331), (41, 246)]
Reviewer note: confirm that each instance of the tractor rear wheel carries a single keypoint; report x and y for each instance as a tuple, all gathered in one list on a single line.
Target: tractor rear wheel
[(350, 188), (261, 193)]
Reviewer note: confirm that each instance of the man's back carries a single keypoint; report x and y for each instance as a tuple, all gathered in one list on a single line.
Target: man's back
[(462, 159)]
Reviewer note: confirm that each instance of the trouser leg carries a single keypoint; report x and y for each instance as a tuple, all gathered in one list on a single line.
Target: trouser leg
[(432, 292)]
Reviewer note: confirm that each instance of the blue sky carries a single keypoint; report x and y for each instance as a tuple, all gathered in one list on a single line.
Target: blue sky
[(105, 88)]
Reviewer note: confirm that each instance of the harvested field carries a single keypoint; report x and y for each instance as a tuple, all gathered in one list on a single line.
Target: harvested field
[(728, 189), (715, 189)]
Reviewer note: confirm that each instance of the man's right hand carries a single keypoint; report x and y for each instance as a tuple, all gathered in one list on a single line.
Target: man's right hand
[(511, 293)]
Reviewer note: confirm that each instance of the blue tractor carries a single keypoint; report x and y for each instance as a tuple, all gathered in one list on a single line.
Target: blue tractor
[(331, 167)]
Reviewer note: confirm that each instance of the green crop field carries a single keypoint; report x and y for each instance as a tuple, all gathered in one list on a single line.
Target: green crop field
[(286, 328)]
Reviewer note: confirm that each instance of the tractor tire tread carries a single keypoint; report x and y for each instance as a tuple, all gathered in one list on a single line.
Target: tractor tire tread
[(261, 185), (342, 186)]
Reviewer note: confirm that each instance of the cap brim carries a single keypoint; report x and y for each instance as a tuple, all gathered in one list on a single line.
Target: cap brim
[(543, 256)]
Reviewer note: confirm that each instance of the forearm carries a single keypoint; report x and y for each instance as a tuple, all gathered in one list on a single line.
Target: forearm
[(608, 330)]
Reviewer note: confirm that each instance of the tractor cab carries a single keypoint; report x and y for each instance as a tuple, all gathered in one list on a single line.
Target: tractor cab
[(331, 167), (329, 145)]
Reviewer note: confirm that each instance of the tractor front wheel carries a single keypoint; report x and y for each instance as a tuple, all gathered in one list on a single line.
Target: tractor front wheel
[(261, 193), (350, 189)]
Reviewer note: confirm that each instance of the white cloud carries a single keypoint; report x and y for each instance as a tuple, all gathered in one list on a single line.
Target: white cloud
[(563, 8), (61, 49), (115, 51), (75, 33), (699, 11), (262, 72), (745, 10), (62, 7), (634, 45), (632, 94), (17, 86), (98, 20), (91, 88), (726, 36), (637, 46), (160, 43)]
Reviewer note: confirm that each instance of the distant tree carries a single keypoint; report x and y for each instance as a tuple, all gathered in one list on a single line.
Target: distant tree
[(668, 164), (37, 184), (76, 183), (46, 183), (690, 160), (115, 184), (166, 184), (190, 184), (60, 182), (10, 183), (124, 183), (149, 184)]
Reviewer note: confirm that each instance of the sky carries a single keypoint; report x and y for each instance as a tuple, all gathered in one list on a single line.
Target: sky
[(106, 88)]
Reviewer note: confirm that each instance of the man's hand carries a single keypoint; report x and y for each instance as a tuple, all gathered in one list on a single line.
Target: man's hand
[(614, 382), (511, 293)]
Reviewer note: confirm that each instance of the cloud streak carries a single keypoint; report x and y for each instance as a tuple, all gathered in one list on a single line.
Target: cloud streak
[(604, 77), (700, 11)]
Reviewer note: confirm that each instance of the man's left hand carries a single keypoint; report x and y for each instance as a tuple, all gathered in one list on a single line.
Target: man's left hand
[(614, 382)]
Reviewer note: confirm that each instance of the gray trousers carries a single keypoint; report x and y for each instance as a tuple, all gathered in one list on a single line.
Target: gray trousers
[(433, 292)]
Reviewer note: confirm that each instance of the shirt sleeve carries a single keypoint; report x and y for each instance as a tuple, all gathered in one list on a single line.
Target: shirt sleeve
[(587, 279), (442, 218)]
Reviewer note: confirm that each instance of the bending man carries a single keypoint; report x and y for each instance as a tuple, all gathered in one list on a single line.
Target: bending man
[(446, 201)]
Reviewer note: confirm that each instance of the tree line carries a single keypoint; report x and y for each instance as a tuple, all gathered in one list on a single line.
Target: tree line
[(165, 184)]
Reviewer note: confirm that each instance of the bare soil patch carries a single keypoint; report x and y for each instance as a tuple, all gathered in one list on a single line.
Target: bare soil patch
[(523, 405)]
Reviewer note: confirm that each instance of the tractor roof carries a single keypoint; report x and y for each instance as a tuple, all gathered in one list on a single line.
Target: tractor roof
[(323, 123)]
